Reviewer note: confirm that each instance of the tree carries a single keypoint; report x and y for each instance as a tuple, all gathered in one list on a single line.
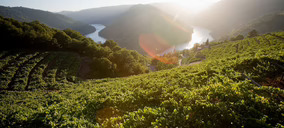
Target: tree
[(74, 34), (252, 33), (103, 66), (62, 39), (110, 43), (207, 42)]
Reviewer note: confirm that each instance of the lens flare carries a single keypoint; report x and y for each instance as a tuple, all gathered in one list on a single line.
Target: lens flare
[(154, 46), (163, 38)]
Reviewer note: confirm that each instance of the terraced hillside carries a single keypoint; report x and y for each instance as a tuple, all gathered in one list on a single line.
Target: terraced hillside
[(238, 85), (103, 60), (24, 70)]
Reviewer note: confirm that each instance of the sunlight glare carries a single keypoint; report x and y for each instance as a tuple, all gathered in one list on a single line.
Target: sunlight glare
[(196, 38), (200, 35), (195, 6)]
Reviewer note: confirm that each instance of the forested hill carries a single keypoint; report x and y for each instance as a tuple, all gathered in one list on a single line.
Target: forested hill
[(146, 21), (51, 19), (103, 60), (240, 84)]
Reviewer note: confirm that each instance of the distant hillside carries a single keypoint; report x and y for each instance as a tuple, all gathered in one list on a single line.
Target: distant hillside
[(227, 15), (51, 19), (145, 22), (178, 12), (268, 23), (103, 15)]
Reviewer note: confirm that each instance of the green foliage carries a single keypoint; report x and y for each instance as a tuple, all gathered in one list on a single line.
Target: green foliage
[(128, 62), (213, 93), (158, 65), (37, 36), (192, 55), (103, 67), (38, 70), (62, 38), (167, 61), (111, 44), (74, 34)]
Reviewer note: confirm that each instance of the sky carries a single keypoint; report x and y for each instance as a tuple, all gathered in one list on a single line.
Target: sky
[(76, 5)]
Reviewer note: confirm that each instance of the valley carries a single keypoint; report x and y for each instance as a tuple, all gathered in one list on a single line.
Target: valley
[(199, 35), (133, 64)]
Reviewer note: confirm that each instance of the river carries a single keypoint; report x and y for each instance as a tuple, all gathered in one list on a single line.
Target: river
[(199, 35), (95, 35)]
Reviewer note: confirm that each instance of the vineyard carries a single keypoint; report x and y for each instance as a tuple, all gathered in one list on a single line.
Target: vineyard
[(24, 71), (239, 84)]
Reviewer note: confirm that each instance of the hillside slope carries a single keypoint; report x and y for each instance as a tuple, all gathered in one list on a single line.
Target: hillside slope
[(219, 92), (29, 70), (142, 23), (103, 15), (227, 15), (103, 60), (51, 19), (265, 24), (179, 13)]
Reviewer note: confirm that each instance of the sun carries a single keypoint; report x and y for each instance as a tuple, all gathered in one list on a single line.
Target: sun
[(195, 6)]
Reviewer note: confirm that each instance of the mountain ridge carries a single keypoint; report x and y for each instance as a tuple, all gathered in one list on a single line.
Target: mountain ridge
[(227, 15), (268, 23), (102, 15), (51, 19)]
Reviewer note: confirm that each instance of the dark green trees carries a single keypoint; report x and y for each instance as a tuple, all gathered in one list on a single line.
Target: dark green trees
[(62, 39), (108, 60)]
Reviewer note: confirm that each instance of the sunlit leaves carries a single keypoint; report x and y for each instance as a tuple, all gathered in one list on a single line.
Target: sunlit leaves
[(211, 94)]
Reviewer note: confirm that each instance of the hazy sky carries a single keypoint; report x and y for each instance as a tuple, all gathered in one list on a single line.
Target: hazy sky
[(74, 5)]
